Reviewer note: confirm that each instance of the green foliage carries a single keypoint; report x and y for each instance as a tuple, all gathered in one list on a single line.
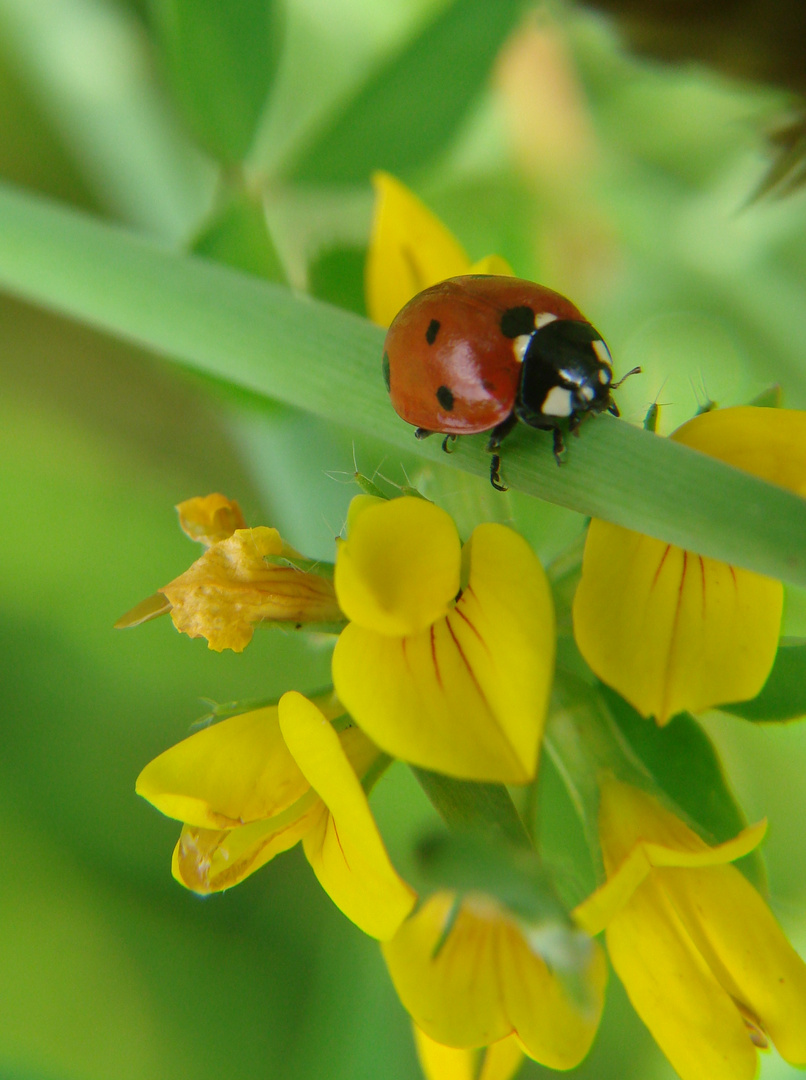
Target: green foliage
[(406, 113), (467, 862), (336, 276), (684, 764), (219, 59), (464, 805), (784, 694), (237, 235)]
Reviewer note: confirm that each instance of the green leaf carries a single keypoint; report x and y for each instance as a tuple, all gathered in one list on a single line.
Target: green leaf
[(407, 112), (466, 805), (784, 694), (238, 236), (684, 763), (337, 277), (278, 344), (488, 851), (467, 862), (219, 57), (87, 65)]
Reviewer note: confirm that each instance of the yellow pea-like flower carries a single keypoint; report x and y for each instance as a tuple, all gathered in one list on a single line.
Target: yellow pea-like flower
[(700, 954), (484, 982), (499, 1061), (672, 630), (245, 577), (447, 675), (252, 786)]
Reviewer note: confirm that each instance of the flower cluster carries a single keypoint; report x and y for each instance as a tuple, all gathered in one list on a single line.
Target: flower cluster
[(443, 658)]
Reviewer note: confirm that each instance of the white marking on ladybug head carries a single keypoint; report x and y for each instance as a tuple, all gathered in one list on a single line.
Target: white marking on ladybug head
[(519, 346), (557, 403), (604, 376), (602, 352), (543, 319), (587, 392)]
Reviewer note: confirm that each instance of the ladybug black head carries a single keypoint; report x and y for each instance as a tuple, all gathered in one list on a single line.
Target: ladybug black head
[(566, 371)]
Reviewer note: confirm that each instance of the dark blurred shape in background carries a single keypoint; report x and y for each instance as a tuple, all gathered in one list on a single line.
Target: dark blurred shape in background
[(744, 39)]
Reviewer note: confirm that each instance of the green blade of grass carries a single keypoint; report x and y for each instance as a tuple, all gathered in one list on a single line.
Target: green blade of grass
[(281, 345)]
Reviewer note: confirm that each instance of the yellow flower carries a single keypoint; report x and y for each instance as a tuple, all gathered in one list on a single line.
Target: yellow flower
[(500, 1061), (410, 249), (246, 576), (210, 518), (444, 668), (671, 630), (485, 982), (702, 958), (254, 785)]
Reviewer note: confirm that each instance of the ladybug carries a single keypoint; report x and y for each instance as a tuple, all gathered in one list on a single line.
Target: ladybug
[(480, 352)]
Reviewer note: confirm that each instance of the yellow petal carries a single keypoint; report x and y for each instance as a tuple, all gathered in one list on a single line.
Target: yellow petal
[(501, 1060), (770, 443), (143, 612), (210, 860), (552, 1028), (492, 264), (744, 946), (467, 696), (673, 990), (595, 913), (440, 1062), (398, 569), (232, 587), (483, 983), (701, 956), (344, 847), (629, 817), (670, 630), (210, 518), (409, 250), (231, 773), (454, 996)]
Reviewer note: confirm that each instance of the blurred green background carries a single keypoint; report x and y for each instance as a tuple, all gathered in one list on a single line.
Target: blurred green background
[(247, 130)]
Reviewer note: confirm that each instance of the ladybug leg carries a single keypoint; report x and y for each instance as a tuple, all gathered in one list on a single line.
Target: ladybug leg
[(447, 443), (495, 473), (499, 431), (494, 445), (422, 433), (559, 446), (613, 409)]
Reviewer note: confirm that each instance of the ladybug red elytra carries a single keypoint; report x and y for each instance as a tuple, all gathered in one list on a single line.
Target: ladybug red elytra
[(480, 352)]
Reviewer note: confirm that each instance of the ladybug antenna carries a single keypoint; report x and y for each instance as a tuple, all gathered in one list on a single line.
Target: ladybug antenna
[(634, 371)]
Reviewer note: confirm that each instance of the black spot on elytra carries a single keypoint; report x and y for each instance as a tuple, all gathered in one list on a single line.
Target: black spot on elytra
[(516, 321), (445, 398), (386, 371), (432, 331)]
